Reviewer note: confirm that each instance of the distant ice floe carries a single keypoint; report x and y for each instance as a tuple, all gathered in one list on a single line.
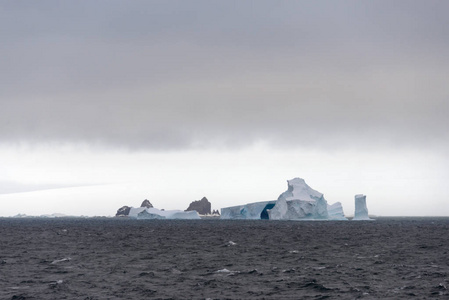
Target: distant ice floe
[(60, 260), (50, 216), (227, 272), (230, 243)]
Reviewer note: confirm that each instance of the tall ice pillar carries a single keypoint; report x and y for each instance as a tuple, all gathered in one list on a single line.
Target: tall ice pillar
[(361, 211)]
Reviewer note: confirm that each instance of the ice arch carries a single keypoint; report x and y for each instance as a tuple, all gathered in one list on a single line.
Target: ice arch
[(264, 214)]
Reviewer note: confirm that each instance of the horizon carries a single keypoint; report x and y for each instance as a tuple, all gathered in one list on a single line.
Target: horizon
[(104, 104)]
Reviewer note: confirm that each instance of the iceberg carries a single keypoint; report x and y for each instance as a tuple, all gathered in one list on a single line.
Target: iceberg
[(251, 211), (299, 202), (146, 215), (361, 211), (154, 213), (335, 211), (146, 211)]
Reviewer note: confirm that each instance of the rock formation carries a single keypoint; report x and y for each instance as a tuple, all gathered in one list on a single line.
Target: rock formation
[(147, 211), (123, 211), (203, 206), (146, 203)]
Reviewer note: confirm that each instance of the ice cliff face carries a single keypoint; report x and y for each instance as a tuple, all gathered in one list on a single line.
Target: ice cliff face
[(252, 211), (146, 215), (299, 202), (335, 211), (361, 211)]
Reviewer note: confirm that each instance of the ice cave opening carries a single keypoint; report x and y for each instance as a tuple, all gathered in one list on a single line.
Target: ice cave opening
[(264, 214)]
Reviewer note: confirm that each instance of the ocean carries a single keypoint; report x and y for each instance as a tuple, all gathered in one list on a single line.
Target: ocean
[(115, 258)]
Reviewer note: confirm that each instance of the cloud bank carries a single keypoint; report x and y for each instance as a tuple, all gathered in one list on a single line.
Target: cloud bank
[(168, 75)]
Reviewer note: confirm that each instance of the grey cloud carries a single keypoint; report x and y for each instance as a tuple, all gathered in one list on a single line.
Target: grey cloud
[(170, 75)]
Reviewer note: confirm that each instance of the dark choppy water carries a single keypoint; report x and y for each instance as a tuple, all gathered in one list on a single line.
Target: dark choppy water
[(129, 259)]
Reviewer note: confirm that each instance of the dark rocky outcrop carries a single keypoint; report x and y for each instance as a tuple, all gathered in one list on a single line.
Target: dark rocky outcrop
[(146, 203), (203, 206), (123, 211), (215, 212)]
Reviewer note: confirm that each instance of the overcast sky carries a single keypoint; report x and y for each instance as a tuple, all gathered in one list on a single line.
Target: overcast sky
[(106, 103)]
